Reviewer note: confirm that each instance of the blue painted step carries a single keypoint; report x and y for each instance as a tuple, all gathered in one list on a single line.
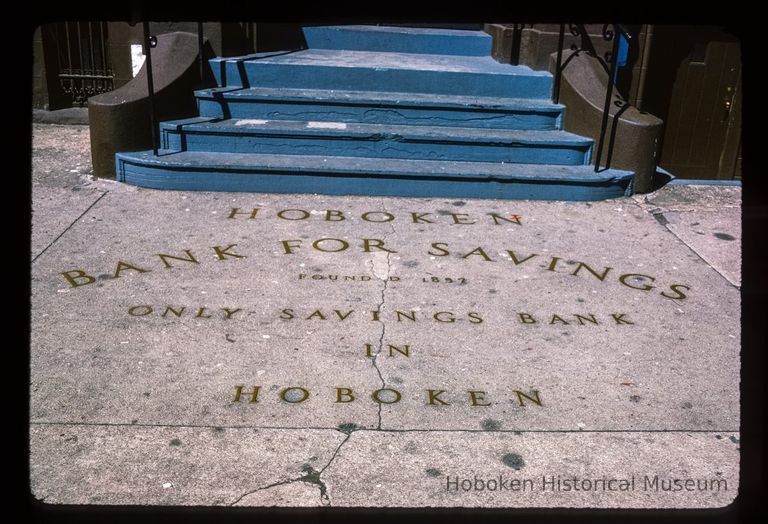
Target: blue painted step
[(399, 40), (367, 176), (379, 107), (391, 72), (377, 111), (376, 140)]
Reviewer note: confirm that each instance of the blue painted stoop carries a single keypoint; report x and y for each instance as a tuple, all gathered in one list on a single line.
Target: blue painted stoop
[(369, 110)]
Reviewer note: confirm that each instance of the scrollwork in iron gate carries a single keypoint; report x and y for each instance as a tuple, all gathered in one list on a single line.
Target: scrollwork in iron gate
[(84, 64)]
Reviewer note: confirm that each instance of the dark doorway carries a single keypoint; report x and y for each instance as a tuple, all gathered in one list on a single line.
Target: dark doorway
[(694, 85)]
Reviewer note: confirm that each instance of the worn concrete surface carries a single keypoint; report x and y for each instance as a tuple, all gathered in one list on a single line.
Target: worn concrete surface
[(61, 189), (438, 469), (705, 218), (73, 464), (644, 382), (67, 116)]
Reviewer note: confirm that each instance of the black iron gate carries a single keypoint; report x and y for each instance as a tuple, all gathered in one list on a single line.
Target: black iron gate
[(84, 65)]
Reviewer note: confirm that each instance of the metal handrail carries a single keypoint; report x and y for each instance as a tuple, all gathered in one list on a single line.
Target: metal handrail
[(200, 50), (617, 32), (610, 32), (149, 43)]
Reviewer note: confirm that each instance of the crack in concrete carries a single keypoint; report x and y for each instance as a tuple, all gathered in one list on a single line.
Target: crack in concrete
[(380, 344), (657, 213), (281, 483), (70, 226), (379, 307), (314, 477), (311, 476)]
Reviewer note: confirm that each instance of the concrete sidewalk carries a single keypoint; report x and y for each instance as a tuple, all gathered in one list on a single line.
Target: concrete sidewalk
[(305, 350), (706, 218)]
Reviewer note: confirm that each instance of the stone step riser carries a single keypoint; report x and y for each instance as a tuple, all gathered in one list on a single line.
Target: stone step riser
[(223, 107), (329, 183), (375, 146), (276, 75), (465, 43)]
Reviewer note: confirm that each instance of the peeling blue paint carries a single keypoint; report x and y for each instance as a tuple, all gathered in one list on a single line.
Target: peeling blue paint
[(368, 176), (377, 111), (380, 107), (400, 39), (392, 72), (382, 141)]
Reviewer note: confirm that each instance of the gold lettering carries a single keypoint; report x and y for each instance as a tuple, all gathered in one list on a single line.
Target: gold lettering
[(123, 266), (477, 397), (377, 396), (553, 264), (303, 214), (287, 314), (229, 312), (406, 351), (521, 395), (317, 313), (478, 251), (333, 213), (254, 393), (368, 350), (389, 217), (418, 218), (344, 245), (557, 318), (515, 219), (459, 217), (343, 317), (200, 313), (619, 318), (526, 318), (680, 294), (434, 397), (78, 274), (475, 318), (437, 245), (284, 395), (147, 310), (288, 248), (344, 392), (223, 253), (369, 243), (590, 319), (236, 211), (519, 261), (645, 287), (165, 258), (599, 276), (401, 314), (177, 313), (439, 317)]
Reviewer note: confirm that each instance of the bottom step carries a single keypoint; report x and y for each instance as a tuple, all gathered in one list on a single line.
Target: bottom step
[(203, 171)]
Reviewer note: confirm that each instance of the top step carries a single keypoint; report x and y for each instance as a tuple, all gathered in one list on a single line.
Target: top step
[(399, 40), (341, 69)]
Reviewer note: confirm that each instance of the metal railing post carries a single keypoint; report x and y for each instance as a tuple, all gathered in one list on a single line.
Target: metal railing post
[(150, 85), (559, 65), (200, 49), (608, 94)]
